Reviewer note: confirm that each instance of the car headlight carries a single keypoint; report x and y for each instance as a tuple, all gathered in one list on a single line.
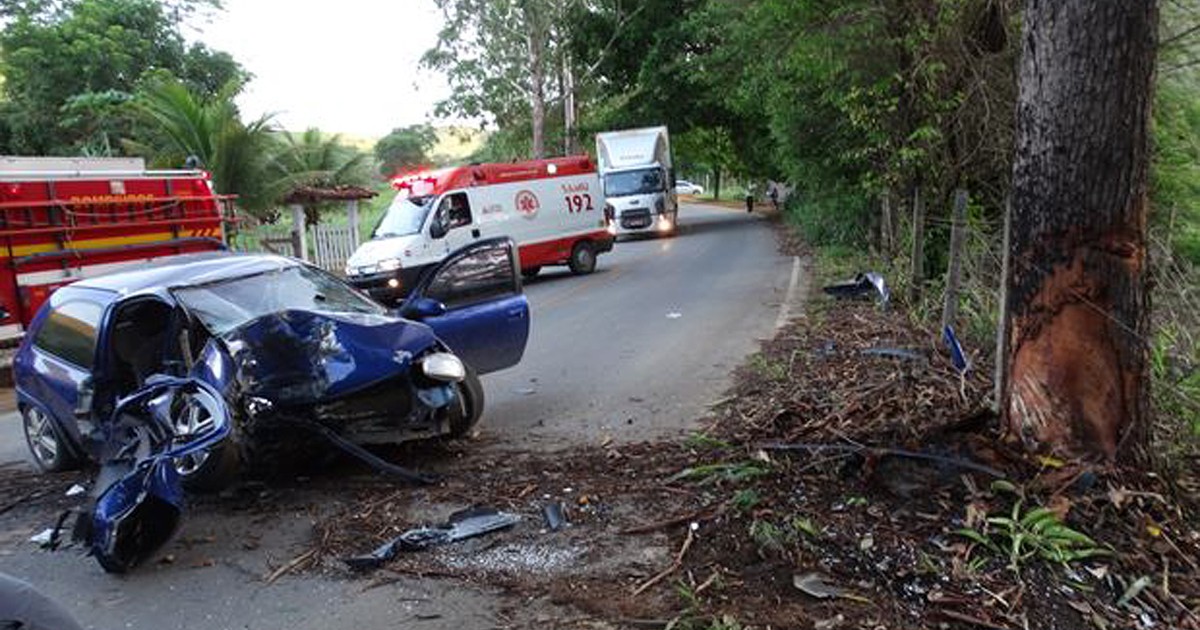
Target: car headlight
[(443, 366), (389, 264)]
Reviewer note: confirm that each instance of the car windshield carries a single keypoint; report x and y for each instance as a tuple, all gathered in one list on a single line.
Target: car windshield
[(405, 216), (638, 182), (226, 305)]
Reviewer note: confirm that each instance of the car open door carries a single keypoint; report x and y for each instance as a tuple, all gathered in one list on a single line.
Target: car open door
[(474, 302)]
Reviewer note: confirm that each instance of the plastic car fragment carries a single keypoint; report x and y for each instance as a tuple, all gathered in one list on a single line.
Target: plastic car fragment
[(137, 500), (862, 284), (461, 525)]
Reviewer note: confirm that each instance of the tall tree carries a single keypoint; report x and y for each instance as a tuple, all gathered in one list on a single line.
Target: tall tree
[(66, 58), (1077, 297), (179, 123), (404, 147)]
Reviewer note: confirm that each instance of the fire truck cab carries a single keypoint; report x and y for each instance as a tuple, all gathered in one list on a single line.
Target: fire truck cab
[(63, 219), (553, 209)]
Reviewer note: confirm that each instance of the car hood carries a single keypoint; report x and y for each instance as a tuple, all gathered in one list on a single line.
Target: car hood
[(371, 252), (296, 356)]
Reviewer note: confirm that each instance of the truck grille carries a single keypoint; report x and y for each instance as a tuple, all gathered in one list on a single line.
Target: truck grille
[(633, 219)]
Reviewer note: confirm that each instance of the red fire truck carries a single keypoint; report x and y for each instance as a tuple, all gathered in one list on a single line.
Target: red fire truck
[(64, 219)]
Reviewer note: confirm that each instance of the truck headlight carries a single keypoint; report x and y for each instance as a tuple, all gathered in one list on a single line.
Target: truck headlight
[(445, 367), (389, 264)]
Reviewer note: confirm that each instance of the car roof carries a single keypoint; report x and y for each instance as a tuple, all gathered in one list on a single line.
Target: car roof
[(187, 270)]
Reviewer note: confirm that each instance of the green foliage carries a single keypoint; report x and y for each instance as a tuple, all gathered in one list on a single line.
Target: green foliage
[(745, 500), (182, 124), (69, 67), (404, 148), (732, 472), (1022, 536)]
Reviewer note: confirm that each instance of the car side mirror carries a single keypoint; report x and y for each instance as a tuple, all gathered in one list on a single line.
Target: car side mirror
[(424, 307), (439, 227)]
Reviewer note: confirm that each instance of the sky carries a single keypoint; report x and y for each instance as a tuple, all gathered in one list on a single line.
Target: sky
[(344, 66)]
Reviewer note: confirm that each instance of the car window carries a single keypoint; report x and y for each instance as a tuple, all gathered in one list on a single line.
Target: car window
[(455, 210), (481, 275), (226, 305), (69, 332)]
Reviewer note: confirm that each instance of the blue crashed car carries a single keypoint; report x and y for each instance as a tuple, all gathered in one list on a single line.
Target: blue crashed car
[(241, 353)]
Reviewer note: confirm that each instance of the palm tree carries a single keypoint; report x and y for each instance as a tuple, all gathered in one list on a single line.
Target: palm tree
[(183, 125), (315, 159)]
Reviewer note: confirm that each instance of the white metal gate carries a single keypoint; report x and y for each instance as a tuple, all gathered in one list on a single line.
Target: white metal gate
[(331, 245)]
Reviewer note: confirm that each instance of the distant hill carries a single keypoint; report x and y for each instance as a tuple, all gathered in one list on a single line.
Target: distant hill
[(454, 143)]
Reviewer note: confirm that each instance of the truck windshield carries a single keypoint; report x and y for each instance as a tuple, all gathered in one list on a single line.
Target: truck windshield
[(226, 305), (640, 182), (405, 216)]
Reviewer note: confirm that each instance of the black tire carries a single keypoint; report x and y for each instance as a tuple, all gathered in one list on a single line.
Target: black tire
[(463, 419), (583, 259), (530, 272), (44, 439)]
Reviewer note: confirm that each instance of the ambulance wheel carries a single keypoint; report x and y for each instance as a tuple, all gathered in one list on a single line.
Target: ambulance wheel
[(469, 407), (530, 272), (583, 259)]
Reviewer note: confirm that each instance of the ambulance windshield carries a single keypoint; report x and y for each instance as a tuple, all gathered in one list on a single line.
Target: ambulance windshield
[(640, 182), (405, 216)]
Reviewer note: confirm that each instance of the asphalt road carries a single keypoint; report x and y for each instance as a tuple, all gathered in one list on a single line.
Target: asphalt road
[(636, 351)]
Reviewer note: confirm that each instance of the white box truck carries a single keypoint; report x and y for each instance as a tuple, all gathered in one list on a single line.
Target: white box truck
[(639, 182), (554, 210)]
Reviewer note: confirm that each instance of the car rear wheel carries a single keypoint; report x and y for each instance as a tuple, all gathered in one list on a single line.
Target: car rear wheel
[(469, 407), (44, 439), (583, 258)]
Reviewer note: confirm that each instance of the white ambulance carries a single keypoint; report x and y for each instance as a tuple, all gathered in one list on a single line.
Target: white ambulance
[(553, 209)]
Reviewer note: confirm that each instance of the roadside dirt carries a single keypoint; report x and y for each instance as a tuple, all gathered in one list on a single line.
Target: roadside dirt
[(857, 523)]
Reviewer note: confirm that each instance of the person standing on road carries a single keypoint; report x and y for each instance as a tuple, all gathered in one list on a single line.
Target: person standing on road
[(749, 197)]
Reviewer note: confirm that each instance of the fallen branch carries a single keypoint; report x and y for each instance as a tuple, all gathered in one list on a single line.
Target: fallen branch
[(884, 452), (975, 621), (290, 566), (687, 544)]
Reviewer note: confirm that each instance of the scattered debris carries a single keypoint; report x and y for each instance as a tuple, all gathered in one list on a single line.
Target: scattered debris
[(555, 516), (75, 490), (461, 525), (674, 315), (43, 538), (814, 585), (862, 284), (896, 353), (957, 356)]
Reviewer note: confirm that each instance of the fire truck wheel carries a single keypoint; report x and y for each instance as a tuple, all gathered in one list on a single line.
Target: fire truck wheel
[(530, 272), (45, 442), (470, 408), (583, 259)]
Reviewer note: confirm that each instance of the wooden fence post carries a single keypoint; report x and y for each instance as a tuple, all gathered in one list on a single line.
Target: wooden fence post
[(886, 237), (918, 246), (1001, 375), (299, 242), (352, 220), (957, 234)]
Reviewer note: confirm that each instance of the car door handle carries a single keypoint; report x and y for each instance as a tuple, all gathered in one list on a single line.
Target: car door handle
[(475, 232)]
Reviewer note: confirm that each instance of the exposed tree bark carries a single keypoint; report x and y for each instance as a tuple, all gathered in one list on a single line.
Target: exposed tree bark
[(536, 41), (1076, 294), (568, 91)]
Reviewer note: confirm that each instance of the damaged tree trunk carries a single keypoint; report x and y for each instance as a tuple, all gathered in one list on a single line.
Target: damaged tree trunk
[(1077, 303)]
